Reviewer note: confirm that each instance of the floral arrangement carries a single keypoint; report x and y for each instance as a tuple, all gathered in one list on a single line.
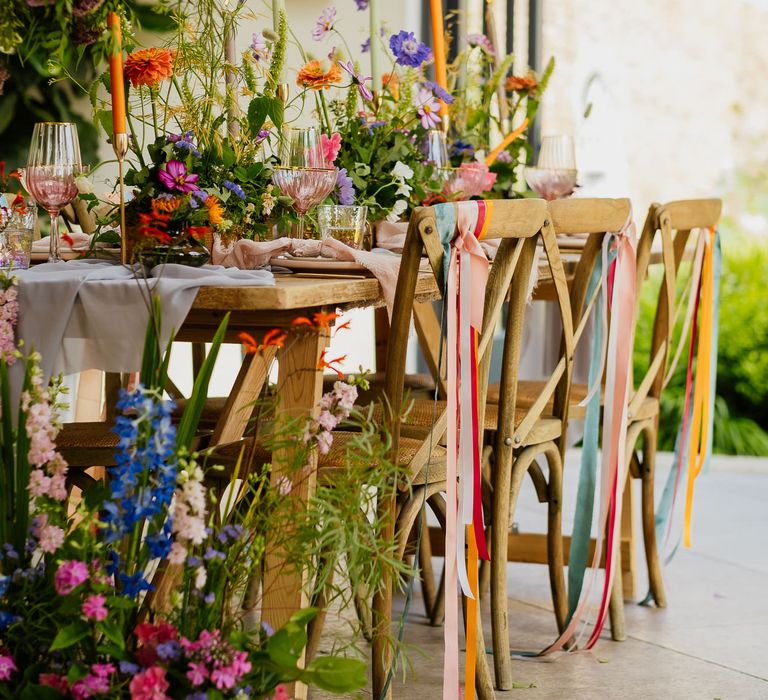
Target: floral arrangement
[(375, 133), (140, 588), (489, 104)]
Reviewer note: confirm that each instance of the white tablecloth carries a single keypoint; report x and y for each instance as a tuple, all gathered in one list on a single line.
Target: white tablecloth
[(91, 314)]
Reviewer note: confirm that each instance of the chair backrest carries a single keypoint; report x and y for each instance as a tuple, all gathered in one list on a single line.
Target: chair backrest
[(518, 223), (673, 222)]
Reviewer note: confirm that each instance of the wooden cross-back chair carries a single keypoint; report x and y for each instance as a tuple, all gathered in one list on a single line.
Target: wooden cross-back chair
[(674, 223), (520, 223), (512, 457)]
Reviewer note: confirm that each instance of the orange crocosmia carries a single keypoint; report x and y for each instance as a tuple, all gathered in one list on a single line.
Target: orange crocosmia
[(312, 75), (199, 232), (302, 321), (67, 239), (149, 66), (275, 338), (215, 210), (323, 320), (343, 327), (155, 225), (322, 363), (249, 342), (391, 83)]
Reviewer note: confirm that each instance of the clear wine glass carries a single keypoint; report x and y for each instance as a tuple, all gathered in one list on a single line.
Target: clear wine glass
[(52, 166), (305, 174)]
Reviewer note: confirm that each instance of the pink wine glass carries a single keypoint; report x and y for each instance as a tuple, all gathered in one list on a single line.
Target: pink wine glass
[(52, 166), (304, 174)]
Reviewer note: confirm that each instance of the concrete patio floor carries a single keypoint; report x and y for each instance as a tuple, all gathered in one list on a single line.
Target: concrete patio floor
[(710, 642)]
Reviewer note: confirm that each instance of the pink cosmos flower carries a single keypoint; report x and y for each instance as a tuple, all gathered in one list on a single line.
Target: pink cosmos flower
[(358, 79), (7, 666), (324, 24), (94, 609), (69, 576), (428, 109), (51, 538), (176, 177), (150, 685), (331, 146)]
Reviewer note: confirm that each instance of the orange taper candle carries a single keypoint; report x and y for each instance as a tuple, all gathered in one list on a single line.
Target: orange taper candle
[(438, 45), (116, 75)]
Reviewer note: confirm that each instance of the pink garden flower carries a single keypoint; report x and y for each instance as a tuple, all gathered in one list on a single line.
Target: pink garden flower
[(358, 79), (428, 109), (197, 673), (39, 483), (51, 538), (280, 693), (55, 681), (331, 146), (327, 420), (94, 609), (176, 177), (7, 666), (324, 24), (324, 441), (69, 576), (150, 685)]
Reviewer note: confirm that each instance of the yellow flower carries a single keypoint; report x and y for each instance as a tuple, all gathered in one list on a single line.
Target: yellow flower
[(166, 206)]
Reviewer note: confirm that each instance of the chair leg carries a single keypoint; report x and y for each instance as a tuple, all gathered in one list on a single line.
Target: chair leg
[(381, 653), (655, 578), (555, 556), (437, 504), (427, 572), (616, 604)]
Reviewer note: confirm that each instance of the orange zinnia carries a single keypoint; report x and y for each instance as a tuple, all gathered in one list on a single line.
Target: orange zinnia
[(522, 83), (149, 66), (391, 83), (215, 210), (312, 75)]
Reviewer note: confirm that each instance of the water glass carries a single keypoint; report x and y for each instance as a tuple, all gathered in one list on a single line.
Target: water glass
[(17, 227), (347, 224)]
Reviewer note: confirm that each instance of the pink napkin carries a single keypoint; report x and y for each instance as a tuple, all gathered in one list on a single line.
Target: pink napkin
[(248, 255)]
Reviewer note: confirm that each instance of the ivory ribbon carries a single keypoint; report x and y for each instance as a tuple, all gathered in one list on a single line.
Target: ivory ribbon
[(461, 226)]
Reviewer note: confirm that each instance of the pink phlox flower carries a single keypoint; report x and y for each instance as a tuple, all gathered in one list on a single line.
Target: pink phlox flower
[(94, 609), (331, 146), (324, 24), (176, 177), (69, 576), (150, 684), (55, 681), (103, 669), (428, 108), (39, 483), (51, 538), (7, 666), (280, 693), (91, 685), (346, 394), (197, 673)]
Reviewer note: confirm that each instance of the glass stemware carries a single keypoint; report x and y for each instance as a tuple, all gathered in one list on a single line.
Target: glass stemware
[(305, 174), (554, 176), (52, 166)]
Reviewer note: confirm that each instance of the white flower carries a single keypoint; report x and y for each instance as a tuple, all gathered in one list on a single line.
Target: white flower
[(402, 171), (403, 189), (200, 578), (400, 206), (84, 185), (178, 554)]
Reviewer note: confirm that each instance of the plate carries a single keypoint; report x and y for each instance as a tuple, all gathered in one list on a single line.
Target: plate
[(41, 256), (318, 265)]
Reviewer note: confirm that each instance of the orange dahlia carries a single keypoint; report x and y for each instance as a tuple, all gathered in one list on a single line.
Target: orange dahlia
[(522, 83), (391, 83), (149, 66), (313, 76), (215, 210)]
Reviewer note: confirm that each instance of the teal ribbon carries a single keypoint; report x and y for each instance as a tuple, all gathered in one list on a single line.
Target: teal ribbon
[(585, 496), (445, 216)]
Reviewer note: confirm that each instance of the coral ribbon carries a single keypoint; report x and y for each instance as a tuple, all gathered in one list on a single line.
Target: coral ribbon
[(461, 230)]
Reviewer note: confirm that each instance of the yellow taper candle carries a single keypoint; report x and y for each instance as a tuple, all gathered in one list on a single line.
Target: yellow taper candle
[(438, 46)]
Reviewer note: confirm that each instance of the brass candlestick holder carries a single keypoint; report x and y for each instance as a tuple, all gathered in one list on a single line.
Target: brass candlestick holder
[(283, 92), (120, 146)]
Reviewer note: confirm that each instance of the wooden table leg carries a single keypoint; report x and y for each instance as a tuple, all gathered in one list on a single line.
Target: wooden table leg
[(300, 386)]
